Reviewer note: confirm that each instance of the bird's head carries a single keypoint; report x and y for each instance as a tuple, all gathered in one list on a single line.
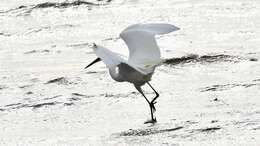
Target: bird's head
[(94, 46)]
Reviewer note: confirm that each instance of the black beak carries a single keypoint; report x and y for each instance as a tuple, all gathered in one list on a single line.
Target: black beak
[(95, 61)]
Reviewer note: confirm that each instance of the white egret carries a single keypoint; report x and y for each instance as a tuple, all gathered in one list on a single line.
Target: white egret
[(144, 56)]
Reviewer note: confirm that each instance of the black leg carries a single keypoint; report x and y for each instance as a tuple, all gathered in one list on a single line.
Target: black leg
[(157, 94), (152, 109)]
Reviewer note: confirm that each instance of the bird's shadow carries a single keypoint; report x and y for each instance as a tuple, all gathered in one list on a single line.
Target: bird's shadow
[(154, 129), (147, 131)]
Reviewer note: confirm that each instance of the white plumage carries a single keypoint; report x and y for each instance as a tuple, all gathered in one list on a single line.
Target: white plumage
[(144, 53), (144, 56)]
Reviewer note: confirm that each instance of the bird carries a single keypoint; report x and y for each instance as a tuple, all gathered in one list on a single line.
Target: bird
[(144, 57)]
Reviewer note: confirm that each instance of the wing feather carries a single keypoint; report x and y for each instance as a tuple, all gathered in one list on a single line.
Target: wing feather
[(108, 57), (144, 53)]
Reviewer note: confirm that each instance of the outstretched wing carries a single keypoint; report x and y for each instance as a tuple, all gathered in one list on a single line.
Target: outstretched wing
[(108, 57), (144, 53)]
